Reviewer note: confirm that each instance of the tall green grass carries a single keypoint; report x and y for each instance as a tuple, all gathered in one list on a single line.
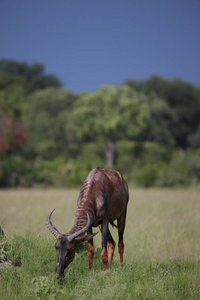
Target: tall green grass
[(161, 248)]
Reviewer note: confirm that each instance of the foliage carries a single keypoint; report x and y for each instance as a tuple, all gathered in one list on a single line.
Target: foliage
[(12, 134), (183, 100), (148, 130), (141, 162), (9, 251), (13, 171), (12, 98), (78, 169), (32, 78), (183, 170), (111, 114), (194, 139), (49, 122), (163, 119)]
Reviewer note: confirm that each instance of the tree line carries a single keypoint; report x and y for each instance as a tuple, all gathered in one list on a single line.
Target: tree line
[(149, 130)]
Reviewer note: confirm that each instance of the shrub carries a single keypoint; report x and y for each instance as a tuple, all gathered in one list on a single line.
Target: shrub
[(78, 169), (192, 162), (141, 163), (147, 174), (48, 172), (174, 174), (13, 171)]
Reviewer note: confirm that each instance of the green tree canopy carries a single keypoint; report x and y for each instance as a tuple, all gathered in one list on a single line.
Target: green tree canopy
[(31, 77), (163, 120), (48, 120), (12, 98), (110, 114), (182, 98)]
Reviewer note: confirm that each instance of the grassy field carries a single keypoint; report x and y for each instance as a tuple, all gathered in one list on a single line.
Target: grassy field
[(162, 248)]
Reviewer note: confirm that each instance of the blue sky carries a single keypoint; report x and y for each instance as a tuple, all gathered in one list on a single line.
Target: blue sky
[(89, 43)]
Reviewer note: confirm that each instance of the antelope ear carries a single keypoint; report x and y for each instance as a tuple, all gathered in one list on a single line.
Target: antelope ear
[(84, 238)]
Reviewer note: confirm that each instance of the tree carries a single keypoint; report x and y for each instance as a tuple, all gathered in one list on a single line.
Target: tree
[(12, 98), (194, 138), (163, 119), (49, 122), (12, 134), (32, 78), (111, 114), (183, 102)]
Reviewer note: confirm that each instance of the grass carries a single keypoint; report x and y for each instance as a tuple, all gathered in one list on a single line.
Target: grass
[(161, 248)]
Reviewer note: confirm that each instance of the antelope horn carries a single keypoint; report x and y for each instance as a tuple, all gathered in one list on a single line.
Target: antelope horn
[(53, 230), (81, 231)]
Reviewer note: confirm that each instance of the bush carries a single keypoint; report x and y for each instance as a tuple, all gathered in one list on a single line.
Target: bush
[(125, 157), (14, 171), (49, 172), (192, 162), (146, 175), (78, 169), (141, 163), (175, 173)]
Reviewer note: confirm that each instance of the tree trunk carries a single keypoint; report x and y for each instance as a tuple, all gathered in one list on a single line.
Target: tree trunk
[(110, 153)]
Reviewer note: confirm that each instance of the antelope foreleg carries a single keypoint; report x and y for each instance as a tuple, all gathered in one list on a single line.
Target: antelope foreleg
[(121, 251), (121, 225), (111, 250), (104, 253), (104, 258), (90, 255)]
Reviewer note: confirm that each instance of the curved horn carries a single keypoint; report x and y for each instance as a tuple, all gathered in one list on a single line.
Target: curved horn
[(53, 230), (81, 231)]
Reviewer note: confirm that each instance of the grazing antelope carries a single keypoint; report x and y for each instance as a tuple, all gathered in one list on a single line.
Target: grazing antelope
[(103, 198)]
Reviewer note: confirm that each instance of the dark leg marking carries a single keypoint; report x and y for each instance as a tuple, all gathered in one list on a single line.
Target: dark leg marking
[(90, 250), (111, 247), (121, 226), (104, 253)]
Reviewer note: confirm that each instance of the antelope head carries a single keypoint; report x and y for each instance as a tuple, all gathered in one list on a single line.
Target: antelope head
[(66, 244)]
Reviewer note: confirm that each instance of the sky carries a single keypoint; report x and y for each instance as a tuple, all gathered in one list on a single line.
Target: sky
[(90, 43)]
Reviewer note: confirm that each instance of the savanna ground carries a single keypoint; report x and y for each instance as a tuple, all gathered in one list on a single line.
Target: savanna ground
[(162, 248)]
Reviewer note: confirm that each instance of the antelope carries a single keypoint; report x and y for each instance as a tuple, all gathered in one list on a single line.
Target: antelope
[(102, 200)]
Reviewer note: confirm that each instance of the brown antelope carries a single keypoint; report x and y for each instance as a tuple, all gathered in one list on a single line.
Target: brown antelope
[(103, 198)]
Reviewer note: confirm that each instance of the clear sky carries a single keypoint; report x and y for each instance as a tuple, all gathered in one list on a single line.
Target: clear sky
[(89, 43)]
